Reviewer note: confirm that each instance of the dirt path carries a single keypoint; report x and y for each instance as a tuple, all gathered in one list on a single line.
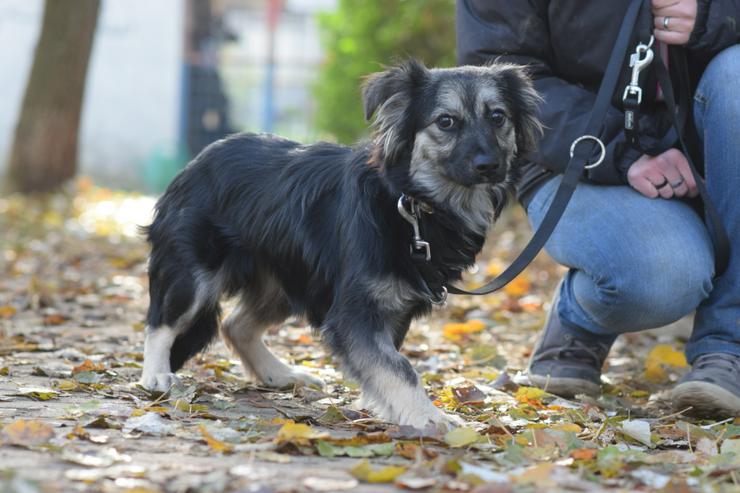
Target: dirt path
[(72, 302)]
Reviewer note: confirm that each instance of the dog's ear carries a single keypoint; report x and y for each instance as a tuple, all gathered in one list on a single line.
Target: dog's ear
[(389, 95), (524, 99)]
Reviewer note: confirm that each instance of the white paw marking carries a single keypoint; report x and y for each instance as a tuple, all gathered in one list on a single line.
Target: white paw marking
[(404, 404), (159, 382), (291, 377), (157, 374)]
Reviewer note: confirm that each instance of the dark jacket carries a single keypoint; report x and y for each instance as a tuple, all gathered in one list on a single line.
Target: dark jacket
[(566, 45)]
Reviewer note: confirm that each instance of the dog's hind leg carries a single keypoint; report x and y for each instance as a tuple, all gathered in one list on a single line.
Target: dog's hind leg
[(157, 373), (243, 329), (182, 320)]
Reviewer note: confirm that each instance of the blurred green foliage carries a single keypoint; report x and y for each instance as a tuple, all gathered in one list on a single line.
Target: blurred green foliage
[(360, 37)]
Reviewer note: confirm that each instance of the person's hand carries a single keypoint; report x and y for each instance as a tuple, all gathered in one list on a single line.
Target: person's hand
[(674, 20), (666, 175)]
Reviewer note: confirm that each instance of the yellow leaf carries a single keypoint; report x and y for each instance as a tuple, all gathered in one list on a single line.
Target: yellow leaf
[(298, 433), (364, 472), (27, 433), (455, 331), (67, 385), (149, 409), (213, 442), (529, 395), (461, 437), (660, 357), (519, 286), (494, 268), (38, 393), (572, 427), (7, 311), (186, 407)]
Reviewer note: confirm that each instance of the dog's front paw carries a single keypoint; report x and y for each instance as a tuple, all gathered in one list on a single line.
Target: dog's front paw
[(159, 382), (433, 419), (289, 379)]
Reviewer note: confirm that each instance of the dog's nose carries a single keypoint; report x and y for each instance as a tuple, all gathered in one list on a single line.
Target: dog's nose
[(485, 164)]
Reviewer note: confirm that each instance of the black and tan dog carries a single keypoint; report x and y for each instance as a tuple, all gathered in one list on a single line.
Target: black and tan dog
[(313, 230)]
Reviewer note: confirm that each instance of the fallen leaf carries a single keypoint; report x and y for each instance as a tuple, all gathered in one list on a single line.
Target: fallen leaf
[(332, 416), (364, 472), (584, 453), (660, 357), (639, 430), (707, 447), (469, 394), (329, 484), (531, 395), (149, 423), (7, 311), (67, 385), (461, 437), (54, 319), (38, 393), (519, 286), (414, 483), (326, 449), (538, 475), (27, 433), (731, 446), (298, 433), (456, 331), (215, 444), (88, 365)]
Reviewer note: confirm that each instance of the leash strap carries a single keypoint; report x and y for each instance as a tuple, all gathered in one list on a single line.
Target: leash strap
[(720, 241), (580, 155)]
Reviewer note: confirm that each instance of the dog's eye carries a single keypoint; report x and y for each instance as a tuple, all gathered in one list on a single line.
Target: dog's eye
[(446, 122), (498, 117)]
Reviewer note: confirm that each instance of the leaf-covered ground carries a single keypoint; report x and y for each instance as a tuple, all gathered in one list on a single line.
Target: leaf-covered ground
[(72, 301)]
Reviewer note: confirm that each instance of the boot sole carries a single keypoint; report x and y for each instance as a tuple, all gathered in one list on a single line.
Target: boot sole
[(565, 387), (706, 400)]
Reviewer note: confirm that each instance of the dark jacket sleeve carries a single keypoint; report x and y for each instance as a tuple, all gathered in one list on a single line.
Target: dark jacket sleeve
[(716, 27), (517, 32)]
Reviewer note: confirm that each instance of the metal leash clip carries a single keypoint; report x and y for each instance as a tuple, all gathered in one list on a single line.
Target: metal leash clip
[(639, 60), (417, 244)]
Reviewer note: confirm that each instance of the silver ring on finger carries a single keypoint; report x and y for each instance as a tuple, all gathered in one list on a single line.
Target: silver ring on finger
[(666, 21), (677, 184)]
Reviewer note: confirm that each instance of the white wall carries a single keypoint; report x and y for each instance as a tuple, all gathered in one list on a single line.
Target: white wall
[(131, 110)]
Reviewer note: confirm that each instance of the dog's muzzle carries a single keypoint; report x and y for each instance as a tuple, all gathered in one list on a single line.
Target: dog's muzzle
[(489, 168)]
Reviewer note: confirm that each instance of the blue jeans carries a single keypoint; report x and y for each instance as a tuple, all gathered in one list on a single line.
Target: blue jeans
[(638, 263)]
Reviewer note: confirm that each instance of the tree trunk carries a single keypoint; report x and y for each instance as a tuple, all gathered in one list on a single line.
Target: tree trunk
[(44, 152)]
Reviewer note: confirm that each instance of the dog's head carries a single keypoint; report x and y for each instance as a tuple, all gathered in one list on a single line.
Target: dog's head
[(456, 131)]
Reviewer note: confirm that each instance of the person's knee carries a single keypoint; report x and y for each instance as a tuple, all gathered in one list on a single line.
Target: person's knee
[(650, 291), (719, 81)]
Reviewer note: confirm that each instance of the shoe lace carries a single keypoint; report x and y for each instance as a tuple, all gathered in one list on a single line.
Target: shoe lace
[(592, 353), (721, 361)]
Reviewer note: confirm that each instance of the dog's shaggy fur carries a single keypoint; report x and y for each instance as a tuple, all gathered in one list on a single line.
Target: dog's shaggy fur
[(313, 230)]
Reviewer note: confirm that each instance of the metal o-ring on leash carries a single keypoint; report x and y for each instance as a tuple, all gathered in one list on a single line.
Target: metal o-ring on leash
[(598, 141)]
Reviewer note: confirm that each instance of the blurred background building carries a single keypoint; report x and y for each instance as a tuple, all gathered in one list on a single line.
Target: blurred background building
[(170, 76), (165, 78)]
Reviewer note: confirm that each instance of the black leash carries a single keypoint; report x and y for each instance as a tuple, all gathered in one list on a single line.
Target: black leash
[(579, 160), (720, 241)]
